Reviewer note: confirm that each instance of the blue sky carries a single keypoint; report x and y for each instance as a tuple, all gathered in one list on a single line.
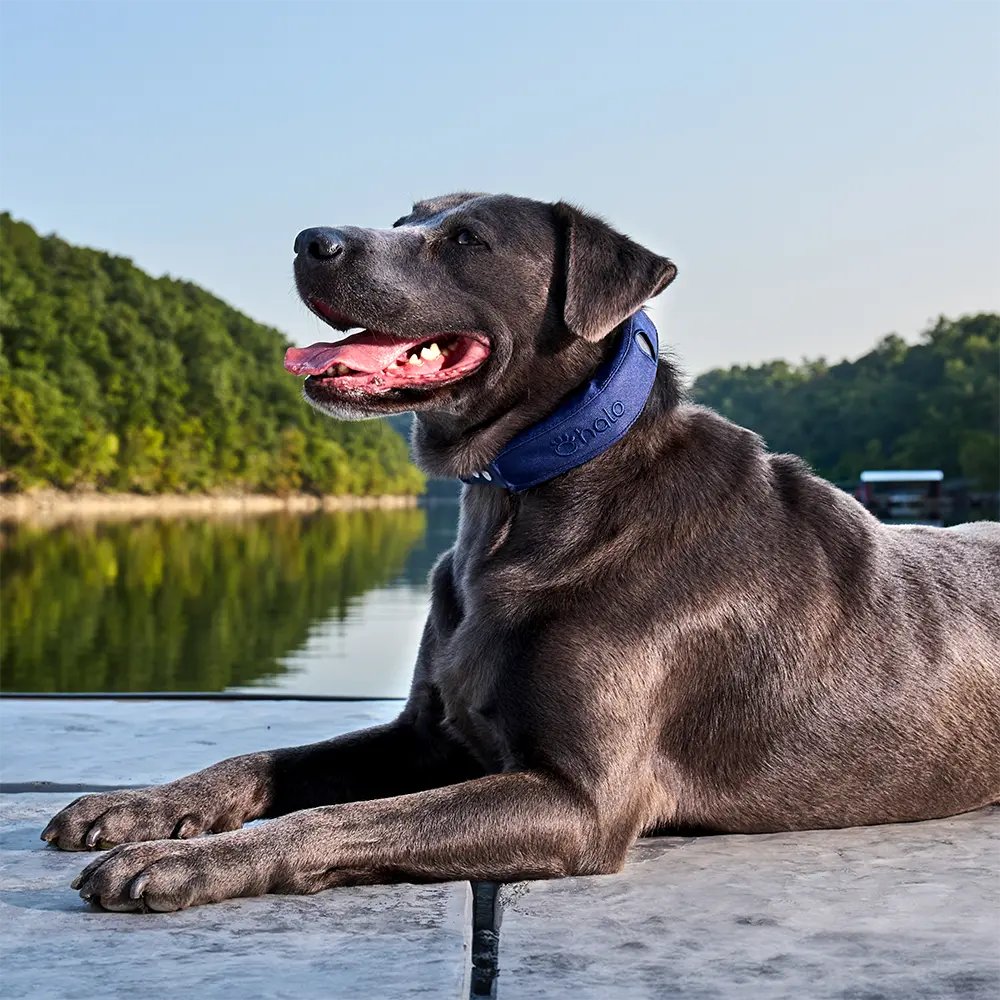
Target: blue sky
[(822, 173)]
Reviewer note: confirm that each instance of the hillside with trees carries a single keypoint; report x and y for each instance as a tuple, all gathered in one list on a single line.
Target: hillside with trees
[(934, 404), (115, 380)]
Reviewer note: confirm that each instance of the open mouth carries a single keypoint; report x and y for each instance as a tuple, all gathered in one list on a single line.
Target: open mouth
[(376, 362)]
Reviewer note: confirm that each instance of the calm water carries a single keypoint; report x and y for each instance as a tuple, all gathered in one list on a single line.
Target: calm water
[(324, 604)]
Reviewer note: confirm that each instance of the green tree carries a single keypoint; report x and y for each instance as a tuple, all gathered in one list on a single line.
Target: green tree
[(934, 404), (112, 379)]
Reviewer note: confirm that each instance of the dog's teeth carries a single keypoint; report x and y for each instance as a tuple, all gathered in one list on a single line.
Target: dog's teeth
[(430, 353), (414, 360)]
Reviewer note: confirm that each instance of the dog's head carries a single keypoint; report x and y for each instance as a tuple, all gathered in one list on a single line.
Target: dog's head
[(478, 312)]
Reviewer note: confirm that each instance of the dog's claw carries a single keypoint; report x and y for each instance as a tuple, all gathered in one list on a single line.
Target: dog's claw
[(138, 886), (187, 828), (93, 837), (48, 834)]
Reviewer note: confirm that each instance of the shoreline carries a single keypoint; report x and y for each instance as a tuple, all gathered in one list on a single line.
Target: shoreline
[(55, 506)]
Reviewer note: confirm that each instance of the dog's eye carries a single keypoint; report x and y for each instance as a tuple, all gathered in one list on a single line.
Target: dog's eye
[(466, 239)]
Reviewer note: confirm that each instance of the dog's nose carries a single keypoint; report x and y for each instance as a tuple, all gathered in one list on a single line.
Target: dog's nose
[(320, 244)]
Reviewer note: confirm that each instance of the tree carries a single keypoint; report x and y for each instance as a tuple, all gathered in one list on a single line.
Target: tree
[(112, 379), (934, 404)]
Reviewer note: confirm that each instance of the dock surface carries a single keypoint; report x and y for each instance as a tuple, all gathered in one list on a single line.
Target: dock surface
[(905, 911)]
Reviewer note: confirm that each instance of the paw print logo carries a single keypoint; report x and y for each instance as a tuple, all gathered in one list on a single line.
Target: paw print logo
[(565, 444)]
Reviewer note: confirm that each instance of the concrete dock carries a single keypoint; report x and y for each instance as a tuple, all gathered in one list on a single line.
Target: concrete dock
[(906, 911)]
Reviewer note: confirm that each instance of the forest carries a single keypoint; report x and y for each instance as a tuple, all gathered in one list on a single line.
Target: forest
[(111, 379), (934, 404)]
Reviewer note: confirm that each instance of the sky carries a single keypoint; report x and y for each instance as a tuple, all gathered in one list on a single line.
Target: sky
[(822, 173)]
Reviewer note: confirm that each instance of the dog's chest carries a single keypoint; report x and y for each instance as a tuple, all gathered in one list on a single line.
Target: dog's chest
[(472, 665), (468, 674)]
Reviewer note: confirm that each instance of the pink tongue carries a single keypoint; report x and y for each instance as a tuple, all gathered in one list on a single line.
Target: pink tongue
[(364, 352)]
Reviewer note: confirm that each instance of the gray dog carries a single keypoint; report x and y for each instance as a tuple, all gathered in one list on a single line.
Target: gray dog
[(683, 632)]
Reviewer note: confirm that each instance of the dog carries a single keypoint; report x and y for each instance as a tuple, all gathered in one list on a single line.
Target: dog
[(682, 632)]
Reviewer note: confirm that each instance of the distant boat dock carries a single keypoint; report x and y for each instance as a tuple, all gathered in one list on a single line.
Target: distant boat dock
[(903, 494)]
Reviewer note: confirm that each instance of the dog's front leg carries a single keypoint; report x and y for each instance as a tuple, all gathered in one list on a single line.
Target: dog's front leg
[(400, 757), (502, 827)]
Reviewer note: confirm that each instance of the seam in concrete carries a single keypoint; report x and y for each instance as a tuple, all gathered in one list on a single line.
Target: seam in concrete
[(486, 916), (22, 787), (184, 696)]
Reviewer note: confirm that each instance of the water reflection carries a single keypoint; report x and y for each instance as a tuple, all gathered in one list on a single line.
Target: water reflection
[(323, 604)]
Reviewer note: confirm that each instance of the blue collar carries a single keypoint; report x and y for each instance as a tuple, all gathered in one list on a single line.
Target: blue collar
[(588, 423)]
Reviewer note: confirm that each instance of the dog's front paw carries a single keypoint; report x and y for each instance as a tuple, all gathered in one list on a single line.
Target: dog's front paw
[(165, 875), (97, 822)]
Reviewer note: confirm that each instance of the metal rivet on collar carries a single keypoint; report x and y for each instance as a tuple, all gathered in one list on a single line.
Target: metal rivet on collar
[(487, 477), (643, 341)]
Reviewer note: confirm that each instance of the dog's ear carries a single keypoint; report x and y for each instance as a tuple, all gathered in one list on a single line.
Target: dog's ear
[(608, 276)]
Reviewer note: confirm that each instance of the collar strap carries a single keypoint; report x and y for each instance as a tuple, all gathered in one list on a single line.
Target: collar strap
[(588, 423)]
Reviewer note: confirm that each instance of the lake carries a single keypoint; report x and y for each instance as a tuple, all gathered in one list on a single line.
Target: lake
[(324, 604)]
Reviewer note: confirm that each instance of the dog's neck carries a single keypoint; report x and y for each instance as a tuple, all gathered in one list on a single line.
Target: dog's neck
[(564, 435)]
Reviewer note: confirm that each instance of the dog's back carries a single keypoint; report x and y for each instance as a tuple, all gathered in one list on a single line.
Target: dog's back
[(861, 683)]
